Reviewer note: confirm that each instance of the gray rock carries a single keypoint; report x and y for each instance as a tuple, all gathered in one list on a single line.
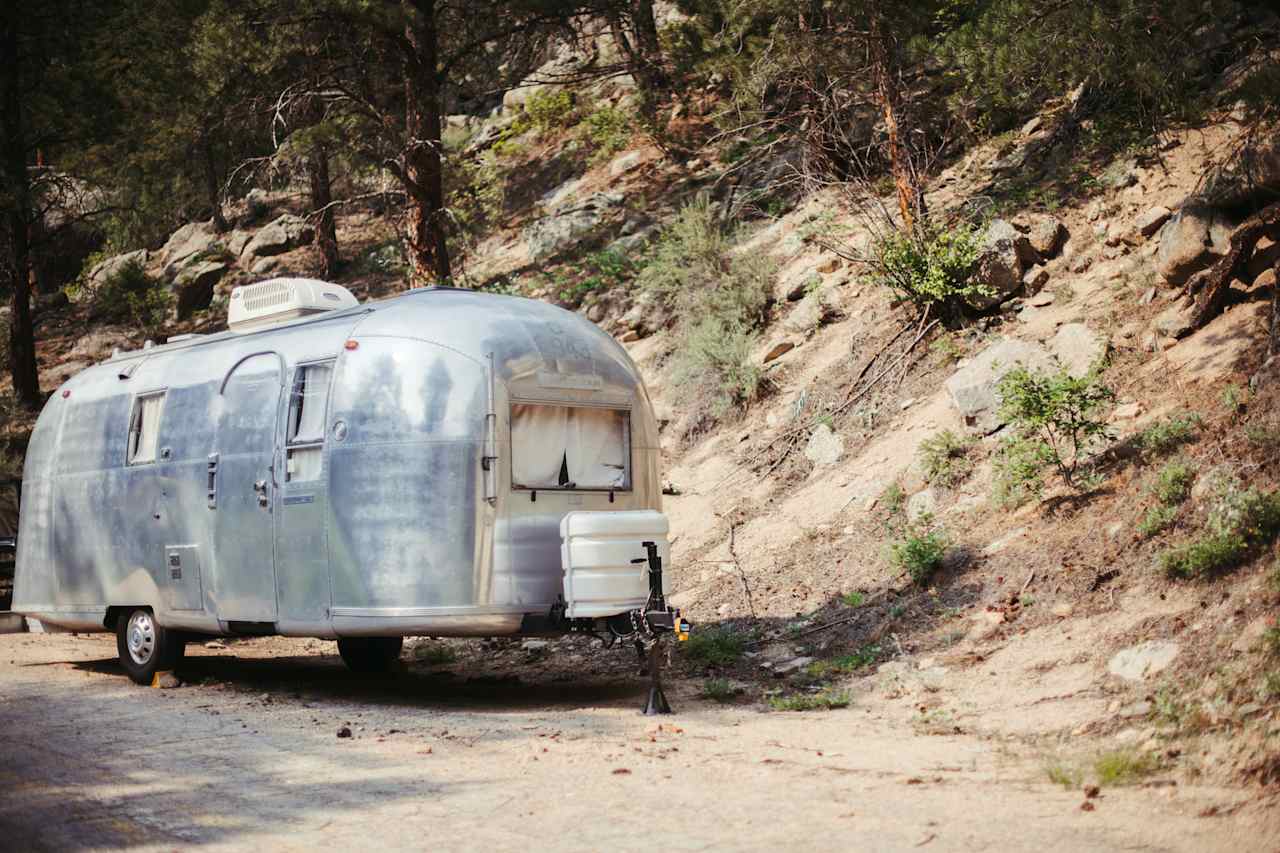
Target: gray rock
[(185, 243), (1034, 281), (1078, 348), (1041, 300), (1000, 263), (973, 387), (624, 163), (1176, 320), (1144, 660), (534, 645), (1253, 174), (1047, 235), (104, 271), (257, 204), (282, 234), (265, 265), (807, 315), (237, 240), (563, 228), (1033, 124), (793, 665), (922, 503), (1152, 220), (1120, 174), (194, 286), (1191, 241), (825, 446)]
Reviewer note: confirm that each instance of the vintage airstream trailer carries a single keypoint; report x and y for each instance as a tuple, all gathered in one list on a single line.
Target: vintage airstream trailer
[(441, 463)]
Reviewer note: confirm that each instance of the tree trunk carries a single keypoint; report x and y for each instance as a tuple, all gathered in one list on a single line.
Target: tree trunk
[(423, 171), (321, 198), (645, 56), (16, 188), (211, 183), (884, 67)]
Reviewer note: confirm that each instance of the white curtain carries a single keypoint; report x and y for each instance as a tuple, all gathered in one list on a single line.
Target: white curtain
[(311, 403), (147, 433), (593, 442), (597, 448), (537, 445)]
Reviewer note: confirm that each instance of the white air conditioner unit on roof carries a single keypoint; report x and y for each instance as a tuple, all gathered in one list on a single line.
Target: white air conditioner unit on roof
[(276, 300)]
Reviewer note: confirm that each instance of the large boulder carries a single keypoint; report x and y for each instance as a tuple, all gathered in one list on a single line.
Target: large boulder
[(973, 387), (561, 229), (1046, 235), (194, 285), (1000, 263), (1077, 348), (1251, 176), (185, 243), (1190, 241), (111, 267), (280, 235)]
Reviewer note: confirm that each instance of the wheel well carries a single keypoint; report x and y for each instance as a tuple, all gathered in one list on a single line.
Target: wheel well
[(115, 611)]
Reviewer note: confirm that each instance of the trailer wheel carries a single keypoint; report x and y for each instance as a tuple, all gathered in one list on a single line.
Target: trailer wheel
[(370, 654), (145, 646)]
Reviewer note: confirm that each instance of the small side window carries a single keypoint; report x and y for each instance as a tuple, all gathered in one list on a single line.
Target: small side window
[(305, 434), (144, 428)]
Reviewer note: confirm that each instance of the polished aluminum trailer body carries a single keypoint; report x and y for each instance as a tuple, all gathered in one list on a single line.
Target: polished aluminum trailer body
[(407, 521)]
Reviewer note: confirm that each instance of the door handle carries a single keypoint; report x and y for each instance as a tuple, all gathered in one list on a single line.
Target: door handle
[(261, 488)]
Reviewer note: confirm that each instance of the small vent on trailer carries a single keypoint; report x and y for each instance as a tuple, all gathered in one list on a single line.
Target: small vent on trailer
[(277, 300)]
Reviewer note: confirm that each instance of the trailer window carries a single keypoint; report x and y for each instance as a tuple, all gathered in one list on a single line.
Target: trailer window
[(570, 447), (307, 406), (144, 428)]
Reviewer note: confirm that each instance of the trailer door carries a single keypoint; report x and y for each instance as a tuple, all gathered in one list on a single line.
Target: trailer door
[(243, 492)]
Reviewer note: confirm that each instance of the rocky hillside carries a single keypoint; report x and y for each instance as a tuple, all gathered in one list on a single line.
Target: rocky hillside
[(860, 520)]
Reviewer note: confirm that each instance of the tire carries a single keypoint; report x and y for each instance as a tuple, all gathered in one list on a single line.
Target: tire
[(145, 646), (370, 654)]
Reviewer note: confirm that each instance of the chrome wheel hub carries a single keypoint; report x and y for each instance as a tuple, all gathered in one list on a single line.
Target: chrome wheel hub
[(141, 637)]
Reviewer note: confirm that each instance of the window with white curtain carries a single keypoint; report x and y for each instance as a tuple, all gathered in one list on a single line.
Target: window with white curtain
[(570, 447), (307, 406), (144, 428)]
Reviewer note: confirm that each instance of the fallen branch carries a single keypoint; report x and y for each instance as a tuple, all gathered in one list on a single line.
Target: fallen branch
[(882, 374), (742, 575)]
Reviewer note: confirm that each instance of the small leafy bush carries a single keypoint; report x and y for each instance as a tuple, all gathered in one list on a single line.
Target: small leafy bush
[(1124, 766), (852, 599), (1061, 411), (1169, 433), (863, 657), (718, 690), (932, 267), (1019, 468), (1263, 436), (549, 108), (1241, 521), (944, 458), (608, 130), (714, 647), (1173, 483), (1157, 518), (131, 295), (821, 701), (718, 300), (920, 550)]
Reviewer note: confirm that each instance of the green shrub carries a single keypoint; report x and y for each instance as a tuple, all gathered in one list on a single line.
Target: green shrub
[(131, 295), (1063, 774), (1263, 436), (1124, 766), (944, 458), (1169, 433), (1059, 410), (1019, 469), (1240, 522), (718, 690), (549, 108), (608, 130), (934, 267), (718, 300), (149, 309), (919, 550), (852, 599), (1234, 399), (714, 646), (821, 701), (1157, 518), (1173, 483), (863, 657)]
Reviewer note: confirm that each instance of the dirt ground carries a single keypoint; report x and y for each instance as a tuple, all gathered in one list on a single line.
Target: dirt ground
[(519, 756)]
